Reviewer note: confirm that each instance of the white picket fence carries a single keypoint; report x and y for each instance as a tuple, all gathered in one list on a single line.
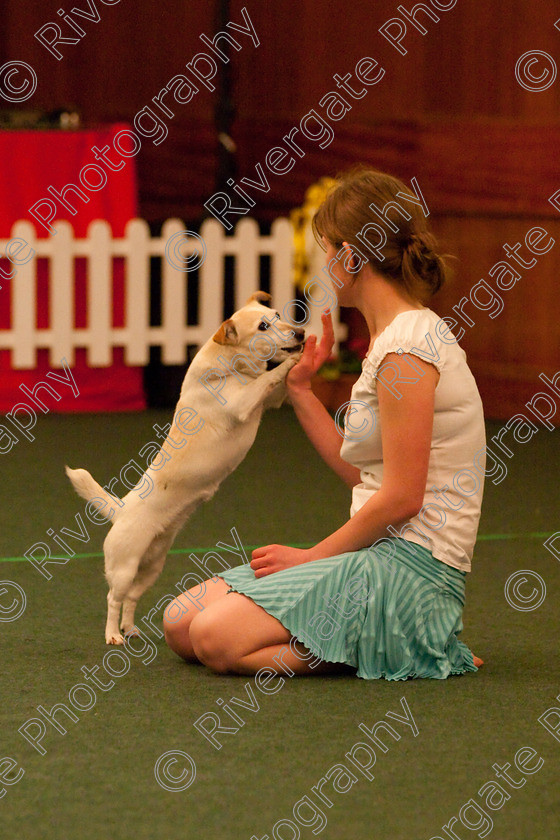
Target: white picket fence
[(61, 338)]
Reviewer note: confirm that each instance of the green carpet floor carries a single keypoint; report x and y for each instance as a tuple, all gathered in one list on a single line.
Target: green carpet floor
[(97, 782)]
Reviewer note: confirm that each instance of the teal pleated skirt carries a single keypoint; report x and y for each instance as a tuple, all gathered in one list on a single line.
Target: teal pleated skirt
[(390, 611)]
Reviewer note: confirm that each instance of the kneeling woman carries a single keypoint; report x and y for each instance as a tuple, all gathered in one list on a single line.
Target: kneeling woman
[(383, 594)]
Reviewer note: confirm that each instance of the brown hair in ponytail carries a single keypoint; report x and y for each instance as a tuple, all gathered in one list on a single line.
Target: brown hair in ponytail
[(409, 257)]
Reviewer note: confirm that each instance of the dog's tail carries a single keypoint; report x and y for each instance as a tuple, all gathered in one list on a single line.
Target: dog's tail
[(88, 488)]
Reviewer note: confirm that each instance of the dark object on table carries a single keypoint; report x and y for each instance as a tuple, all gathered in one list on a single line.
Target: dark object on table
[(66, 118)]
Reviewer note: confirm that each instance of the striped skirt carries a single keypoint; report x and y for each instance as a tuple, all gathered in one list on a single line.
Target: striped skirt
[(391, 611)]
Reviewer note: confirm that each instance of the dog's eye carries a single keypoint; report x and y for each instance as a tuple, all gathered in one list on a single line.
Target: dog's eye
[(263, 326)]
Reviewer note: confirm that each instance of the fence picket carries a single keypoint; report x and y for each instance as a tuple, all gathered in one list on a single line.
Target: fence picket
[(137, 291), (281, 283), (61, 294), (22, 337), (211, 278), (174, 297), (100, 297), (246, 260)]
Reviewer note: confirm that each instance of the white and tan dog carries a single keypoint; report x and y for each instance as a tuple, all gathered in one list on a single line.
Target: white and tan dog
[(224, 393)]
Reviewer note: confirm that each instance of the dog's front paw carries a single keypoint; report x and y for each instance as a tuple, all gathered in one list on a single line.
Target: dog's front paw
[(114, 639), (289, 363)]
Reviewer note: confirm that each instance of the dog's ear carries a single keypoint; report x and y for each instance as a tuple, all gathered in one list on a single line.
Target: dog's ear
[(227, 334), (261, 297)]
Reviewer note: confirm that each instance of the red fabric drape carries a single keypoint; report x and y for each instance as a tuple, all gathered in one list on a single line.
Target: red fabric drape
[(30, 162)]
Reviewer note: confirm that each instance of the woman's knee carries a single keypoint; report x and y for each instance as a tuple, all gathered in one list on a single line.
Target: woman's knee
[(176, 623), (208, 643)]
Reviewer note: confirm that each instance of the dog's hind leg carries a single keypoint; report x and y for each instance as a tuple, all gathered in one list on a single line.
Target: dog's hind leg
[(119, 586), (143, 580), (112, 633), (149, 570), (128, 609)]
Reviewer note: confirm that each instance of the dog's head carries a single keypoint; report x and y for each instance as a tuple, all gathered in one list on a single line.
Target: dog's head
[(256, 331)]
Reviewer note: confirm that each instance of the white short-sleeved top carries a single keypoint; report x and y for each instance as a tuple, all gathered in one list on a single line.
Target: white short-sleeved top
[(447, 524)]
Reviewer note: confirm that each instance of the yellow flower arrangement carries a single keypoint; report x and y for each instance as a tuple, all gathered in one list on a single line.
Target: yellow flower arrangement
[(300, 218)]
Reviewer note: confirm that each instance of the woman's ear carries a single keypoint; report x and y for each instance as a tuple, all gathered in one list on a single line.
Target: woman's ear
[(354, 259), (350, 261)]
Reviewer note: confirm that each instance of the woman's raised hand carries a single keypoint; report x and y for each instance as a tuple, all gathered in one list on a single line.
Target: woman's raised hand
[(314, 355)]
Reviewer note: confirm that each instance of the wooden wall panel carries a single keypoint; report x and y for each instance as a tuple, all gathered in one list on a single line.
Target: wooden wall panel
[(506, 353), (461, 70), (463, 66), (470, 167), (120, 63)]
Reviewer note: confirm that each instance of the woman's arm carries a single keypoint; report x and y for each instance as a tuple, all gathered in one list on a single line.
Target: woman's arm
[(406, 434), (314, 418), (320, 428)]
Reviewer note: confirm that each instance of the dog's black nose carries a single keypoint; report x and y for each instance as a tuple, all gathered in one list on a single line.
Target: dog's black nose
[(299, 334)]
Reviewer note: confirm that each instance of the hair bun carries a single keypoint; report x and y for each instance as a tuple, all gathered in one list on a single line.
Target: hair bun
[(421, 261), (408, 256)]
